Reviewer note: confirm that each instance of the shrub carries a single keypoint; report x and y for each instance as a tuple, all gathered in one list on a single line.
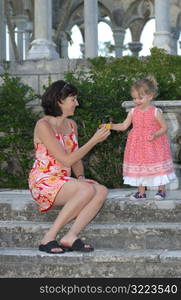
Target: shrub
[(102, 91), (16, 131)]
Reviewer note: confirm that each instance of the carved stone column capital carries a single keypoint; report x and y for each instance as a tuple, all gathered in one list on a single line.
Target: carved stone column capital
[(119, 35), (135, 47)]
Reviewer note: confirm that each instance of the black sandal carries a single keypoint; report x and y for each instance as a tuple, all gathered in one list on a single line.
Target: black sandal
[(78, 245), (51, 245)]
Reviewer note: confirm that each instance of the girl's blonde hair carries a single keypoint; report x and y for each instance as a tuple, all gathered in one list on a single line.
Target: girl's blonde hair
[(148, 85)]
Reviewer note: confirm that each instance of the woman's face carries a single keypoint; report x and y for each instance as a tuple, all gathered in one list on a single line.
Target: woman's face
[(68, 105)]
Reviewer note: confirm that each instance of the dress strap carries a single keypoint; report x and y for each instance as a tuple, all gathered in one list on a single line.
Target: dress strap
[(71, 126), (132, 110), (157, 109)]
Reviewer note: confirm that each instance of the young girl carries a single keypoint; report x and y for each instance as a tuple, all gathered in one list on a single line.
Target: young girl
[(147, 157)]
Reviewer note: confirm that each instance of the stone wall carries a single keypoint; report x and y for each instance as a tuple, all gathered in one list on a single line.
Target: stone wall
[(37, 73)]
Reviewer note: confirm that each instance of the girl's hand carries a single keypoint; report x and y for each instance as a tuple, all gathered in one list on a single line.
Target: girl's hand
[(152, 136)]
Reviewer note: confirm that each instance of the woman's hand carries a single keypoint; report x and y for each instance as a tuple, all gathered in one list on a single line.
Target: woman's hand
[(87, 180), (101, 135), (107, 126)]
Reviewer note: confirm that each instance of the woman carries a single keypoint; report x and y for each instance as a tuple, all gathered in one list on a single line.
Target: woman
[(50, 181)]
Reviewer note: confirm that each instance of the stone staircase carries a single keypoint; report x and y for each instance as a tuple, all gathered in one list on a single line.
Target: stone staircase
[(139, 238)]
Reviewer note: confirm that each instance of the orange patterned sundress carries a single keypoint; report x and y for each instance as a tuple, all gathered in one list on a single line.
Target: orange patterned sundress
[(147, 163), (47, 175)]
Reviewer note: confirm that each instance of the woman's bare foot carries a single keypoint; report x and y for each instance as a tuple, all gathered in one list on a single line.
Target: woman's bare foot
[(48, 238), (67, 240)]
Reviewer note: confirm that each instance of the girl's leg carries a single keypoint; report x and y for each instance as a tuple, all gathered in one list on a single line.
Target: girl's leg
[(75, 196), (161, 188), (140, 194), (161, 194), (141, 189)]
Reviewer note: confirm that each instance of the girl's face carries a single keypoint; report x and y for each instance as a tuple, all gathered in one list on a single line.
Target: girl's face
[(141, 99), (68, 105)]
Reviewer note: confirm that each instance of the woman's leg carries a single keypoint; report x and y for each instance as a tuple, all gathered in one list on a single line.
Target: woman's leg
[(88, 212), (75, 195)]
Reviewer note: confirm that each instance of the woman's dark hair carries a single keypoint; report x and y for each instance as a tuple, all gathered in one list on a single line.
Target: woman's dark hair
[(57, 91)]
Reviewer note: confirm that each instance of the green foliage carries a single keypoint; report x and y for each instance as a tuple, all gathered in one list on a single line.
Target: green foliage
[(167, 70), (102, 91), (16, 131)]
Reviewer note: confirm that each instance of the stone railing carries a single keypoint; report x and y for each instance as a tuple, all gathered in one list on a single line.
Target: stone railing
[(172, 113)]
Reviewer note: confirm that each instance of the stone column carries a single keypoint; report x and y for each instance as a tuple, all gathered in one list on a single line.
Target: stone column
[(119, 34), (135, 48), (82, 49), (162, 36), (42, 46), (2, 32), (28, 33), (91, 30), (27, 5), (64, 45), (175, 33), (20, 22), (172, 115)]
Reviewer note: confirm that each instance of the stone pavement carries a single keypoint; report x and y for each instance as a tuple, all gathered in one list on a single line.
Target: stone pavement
[(132, 238)]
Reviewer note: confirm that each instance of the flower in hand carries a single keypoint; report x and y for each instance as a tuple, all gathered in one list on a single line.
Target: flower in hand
[(107, 126)]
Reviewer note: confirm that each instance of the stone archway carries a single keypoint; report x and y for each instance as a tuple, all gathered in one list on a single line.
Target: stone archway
[(132, 14)]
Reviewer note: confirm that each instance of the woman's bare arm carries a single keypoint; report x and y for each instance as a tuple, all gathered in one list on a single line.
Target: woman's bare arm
[(46, 135), (78, 167)]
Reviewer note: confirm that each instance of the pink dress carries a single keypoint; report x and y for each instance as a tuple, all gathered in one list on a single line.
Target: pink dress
[(147, 163), (47, 175)]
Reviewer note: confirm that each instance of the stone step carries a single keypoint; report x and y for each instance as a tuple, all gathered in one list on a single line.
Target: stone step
[(18, 205), (131, 235), (31, 263)]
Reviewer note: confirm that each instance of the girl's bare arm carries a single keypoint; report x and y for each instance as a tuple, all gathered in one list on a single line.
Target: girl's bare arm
[(123, 126), (163, 126)]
